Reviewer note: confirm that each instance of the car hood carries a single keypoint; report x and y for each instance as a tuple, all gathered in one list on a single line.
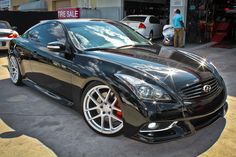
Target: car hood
[(177, 69)]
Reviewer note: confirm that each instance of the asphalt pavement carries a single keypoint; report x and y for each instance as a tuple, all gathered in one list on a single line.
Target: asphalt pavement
[(63, 130)]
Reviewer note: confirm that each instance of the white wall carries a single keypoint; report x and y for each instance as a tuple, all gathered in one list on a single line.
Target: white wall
[(109, 3), (111, 9), (182, 8), (99, 3), (5, 4), (174, 4)]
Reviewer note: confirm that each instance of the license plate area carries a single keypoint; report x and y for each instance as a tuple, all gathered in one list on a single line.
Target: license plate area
[(2, 43)]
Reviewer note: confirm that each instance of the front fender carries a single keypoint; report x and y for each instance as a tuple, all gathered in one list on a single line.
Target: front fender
[(13, 52), (87, 70)]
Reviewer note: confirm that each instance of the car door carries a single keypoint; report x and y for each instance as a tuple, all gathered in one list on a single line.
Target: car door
[(51, 69)]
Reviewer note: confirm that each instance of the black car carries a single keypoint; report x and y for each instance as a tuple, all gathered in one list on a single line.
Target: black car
[(119, 81)]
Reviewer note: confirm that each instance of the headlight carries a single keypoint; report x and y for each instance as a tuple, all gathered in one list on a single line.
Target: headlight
[(143, 89)]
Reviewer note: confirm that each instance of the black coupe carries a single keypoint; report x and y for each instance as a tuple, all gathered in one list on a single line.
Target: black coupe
[(118, 80)]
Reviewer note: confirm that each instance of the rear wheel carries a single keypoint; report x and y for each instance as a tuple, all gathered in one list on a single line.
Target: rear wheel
[(151, 35), (102, 110), (14, 70)]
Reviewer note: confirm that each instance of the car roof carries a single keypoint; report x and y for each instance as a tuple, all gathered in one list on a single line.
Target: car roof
[(139, 15), (67, 21), (76, 20), (4, 21), (7, 23)]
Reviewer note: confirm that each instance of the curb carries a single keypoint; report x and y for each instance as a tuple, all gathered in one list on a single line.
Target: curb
[(209, 44)]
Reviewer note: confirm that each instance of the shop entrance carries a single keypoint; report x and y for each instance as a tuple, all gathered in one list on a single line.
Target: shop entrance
[(158, 8), (211, 20)]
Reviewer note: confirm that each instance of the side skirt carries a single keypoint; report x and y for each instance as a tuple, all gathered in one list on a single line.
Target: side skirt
[(56, 97)]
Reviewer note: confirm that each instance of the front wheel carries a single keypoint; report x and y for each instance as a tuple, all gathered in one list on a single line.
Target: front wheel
[(14, 70), (102, 110), (151, 35)]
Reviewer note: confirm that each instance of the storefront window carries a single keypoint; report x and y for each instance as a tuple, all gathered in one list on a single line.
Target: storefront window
[(208, 20)]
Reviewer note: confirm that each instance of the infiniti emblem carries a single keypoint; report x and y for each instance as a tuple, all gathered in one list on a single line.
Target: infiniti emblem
[(206, 88)]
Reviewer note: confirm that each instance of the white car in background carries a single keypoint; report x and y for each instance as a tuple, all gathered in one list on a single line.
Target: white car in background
[(6, 34), (147, 25)]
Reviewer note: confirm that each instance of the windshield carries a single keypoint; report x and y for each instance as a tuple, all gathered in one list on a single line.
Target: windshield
[(102, 34)]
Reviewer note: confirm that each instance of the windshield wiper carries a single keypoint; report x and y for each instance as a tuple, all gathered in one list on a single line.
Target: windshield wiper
[(105, 48), (97, 48), (124, 46), (134, 45)]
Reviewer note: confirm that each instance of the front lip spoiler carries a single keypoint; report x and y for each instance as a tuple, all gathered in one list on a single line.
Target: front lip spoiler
[(200, 116), (181, 129)]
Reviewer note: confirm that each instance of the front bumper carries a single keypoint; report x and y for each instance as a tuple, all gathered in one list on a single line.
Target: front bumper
[(178, 129), (4, 43), (173, 120)]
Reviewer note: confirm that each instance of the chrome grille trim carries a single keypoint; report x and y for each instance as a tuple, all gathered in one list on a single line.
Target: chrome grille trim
[(196, 90)]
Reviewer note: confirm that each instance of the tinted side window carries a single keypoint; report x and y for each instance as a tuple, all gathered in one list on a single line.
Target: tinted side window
[(154, 20), (47, 33), (34, 34)]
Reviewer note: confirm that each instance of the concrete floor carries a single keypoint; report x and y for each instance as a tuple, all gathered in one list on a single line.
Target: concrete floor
[(64, 131)]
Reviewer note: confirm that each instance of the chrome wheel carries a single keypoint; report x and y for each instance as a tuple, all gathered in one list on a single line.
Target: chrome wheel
[(14, 70), (102, 111)]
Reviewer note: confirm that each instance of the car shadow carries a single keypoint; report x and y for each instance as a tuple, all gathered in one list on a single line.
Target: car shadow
[(3, 53), (10, 134), (63, 129)]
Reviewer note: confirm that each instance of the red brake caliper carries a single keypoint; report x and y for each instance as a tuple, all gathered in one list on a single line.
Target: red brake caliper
[(118, 113)]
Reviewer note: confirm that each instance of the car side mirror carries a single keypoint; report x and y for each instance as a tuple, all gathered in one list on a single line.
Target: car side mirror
[(56, 46), (14, 28)]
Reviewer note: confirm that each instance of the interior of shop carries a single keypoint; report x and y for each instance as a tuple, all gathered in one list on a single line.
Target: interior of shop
[(161, 9), (211, 20), (207, 20)]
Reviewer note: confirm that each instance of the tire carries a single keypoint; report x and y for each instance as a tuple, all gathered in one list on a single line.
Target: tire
[(151, 35), (14, 70), (101, 109)]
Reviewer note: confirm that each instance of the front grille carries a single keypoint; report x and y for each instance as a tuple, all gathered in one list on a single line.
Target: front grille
[(196, 91)]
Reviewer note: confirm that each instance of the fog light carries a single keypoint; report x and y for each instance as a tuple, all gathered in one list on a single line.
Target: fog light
[(150, 134), (153, 126)]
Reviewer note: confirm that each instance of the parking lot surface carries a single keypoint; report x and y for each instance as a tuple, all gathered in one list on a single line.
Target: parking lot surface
[(62, 130)]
